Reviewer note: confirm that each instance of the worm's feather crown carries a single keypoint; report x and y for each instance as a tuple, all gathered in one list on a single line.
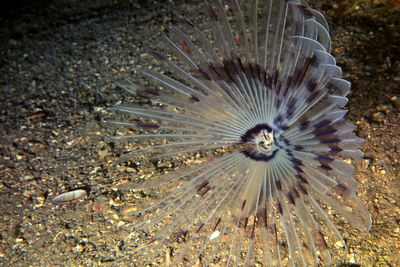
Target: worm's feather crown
[(268, 93)]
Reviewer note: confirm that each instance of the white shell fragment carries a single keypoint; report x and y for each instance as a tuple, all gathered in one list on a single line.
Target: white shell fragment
[(214, 235), (69, 196)]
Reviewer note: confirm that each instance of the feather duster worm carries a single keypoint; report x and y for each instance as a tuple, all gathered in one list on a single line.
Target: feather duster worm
[(267, 94)]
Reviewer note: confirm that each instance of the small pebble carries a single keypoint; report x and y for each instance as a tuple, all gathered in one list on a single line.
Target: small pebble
[(126, 211), (339, 244), (378, 117), (396, 101)]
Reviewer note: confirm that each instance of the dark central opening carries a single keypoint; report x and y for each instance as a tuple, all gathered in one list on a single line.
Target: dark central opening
[(260, 143)]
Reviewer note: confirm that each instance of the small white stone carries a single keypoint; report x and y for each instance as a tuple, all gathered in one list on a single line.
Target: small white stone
[(214, 235), (69, 196)]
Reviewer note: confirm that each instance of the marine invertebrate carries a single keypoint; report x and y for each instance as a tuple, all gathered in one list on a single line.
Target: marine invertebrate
[(265, 93)]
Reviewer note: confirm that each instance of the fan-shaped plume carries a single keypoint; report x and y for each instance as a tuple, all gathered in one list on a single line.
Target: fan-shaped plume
[(266, 93)]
